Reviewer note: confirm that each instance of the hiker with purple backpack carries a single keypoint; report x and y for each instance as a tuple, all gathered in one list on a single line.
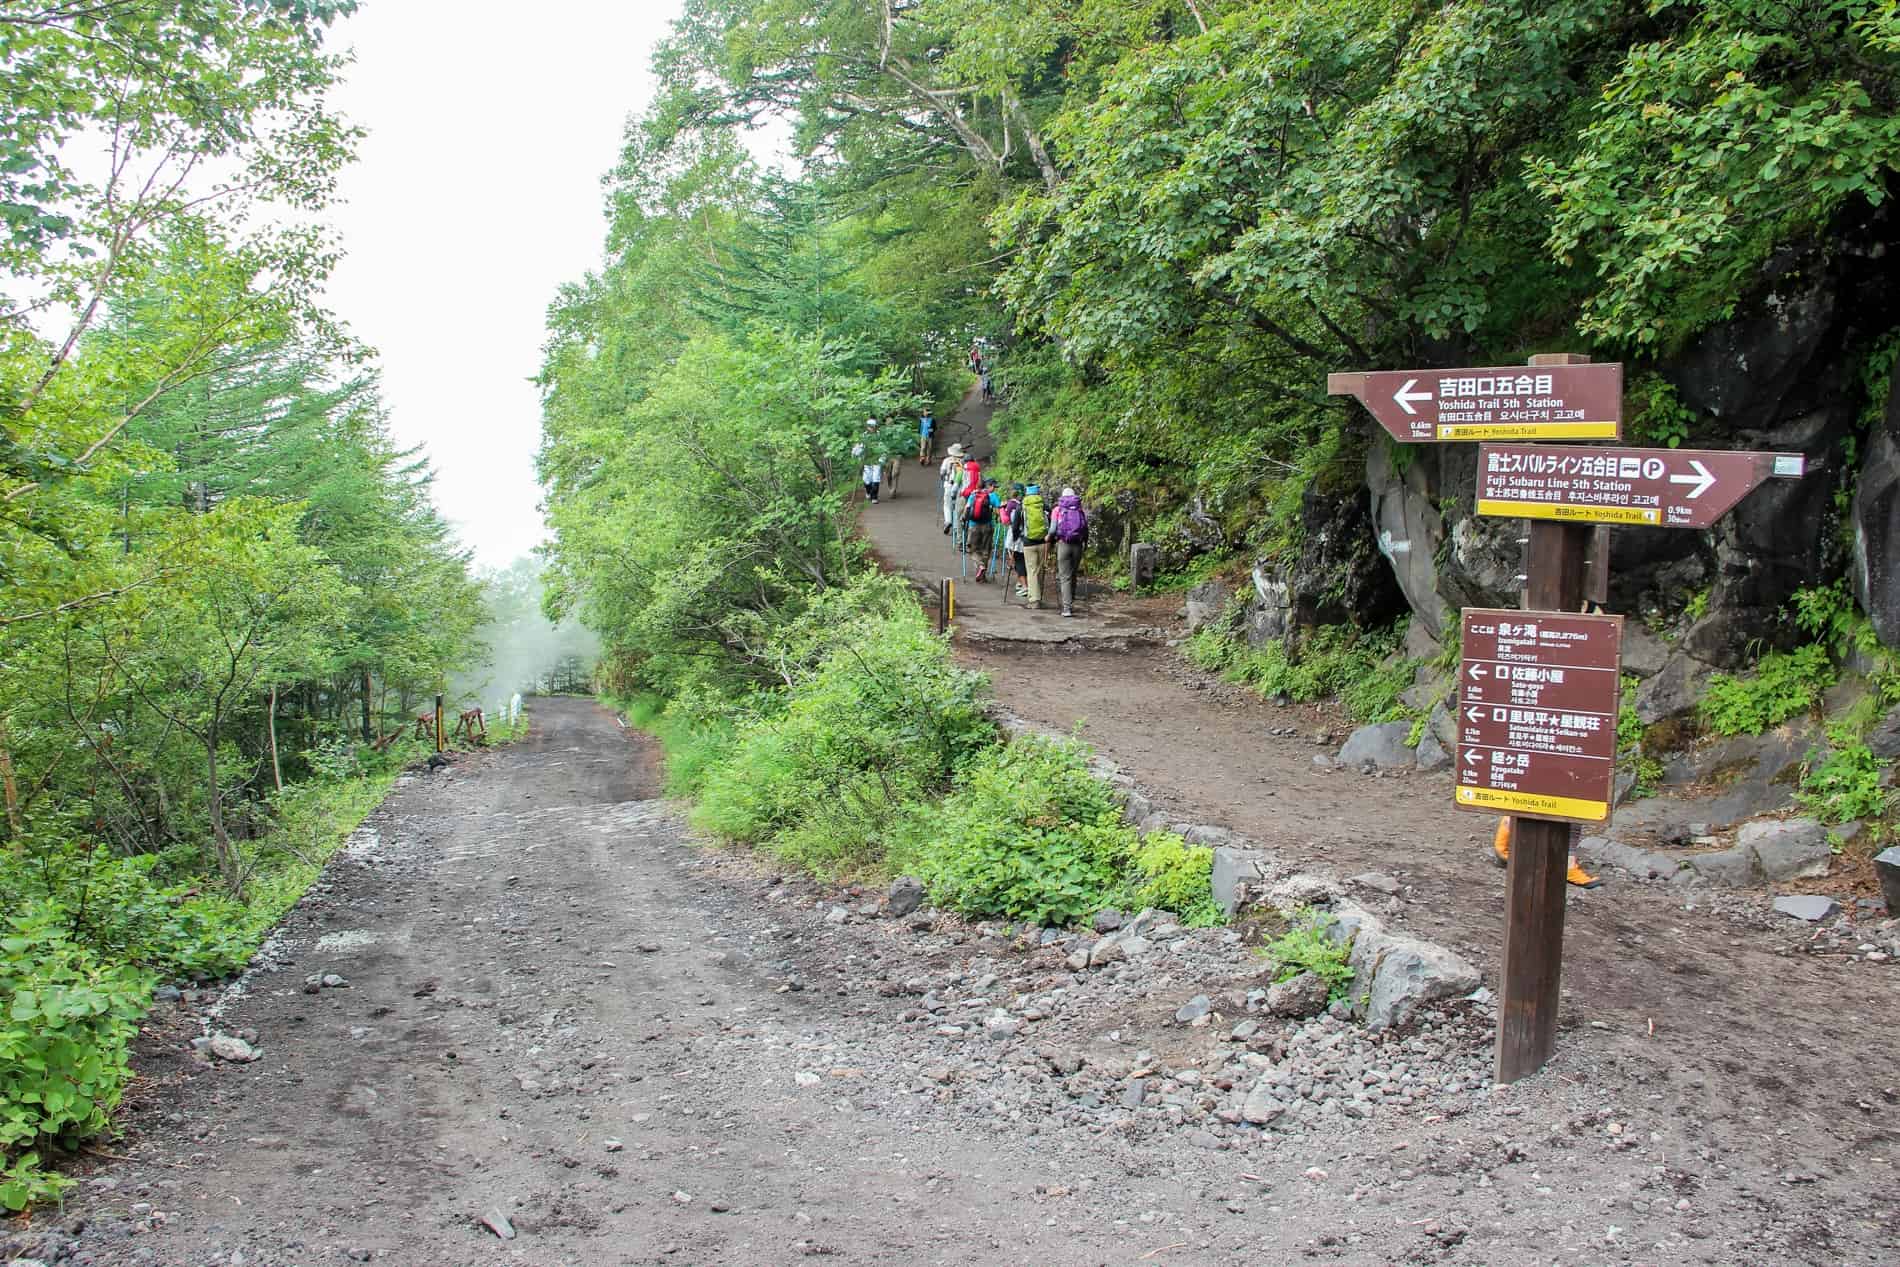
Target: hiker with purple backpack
[(1069, 530)]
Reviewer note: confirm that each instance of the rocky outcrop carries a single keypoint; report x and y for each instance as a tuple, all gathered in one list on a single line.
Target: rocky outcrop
[(1439, 568), (1876, 565)]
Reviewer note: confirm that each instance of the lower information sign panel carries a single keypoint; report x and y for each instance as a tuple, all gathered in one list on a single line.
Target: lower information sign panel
[(1537, 698)]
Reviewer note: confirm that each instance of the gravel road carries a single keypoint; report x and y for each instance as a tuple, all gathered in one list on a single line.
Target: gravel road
[(562, 1017)]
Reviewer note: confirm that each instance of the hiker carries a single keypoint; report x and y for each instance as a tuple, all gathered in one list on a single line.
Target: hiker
[(926, 438), (1035, 543), (871, 472), (980, 514), (1010, 515), (1069, 529), (976, 356), (1501, 845), (984, 375), (949, 474), (880, 449), (972, 480)]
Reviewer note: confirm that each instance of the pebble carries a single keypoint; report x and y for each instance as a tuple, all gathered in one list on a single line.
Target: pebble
[(497, 1222)]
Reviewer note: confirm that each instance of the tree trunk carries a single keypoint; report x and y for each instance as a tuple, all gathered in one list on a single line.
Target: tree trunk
[(270, 725), (369, 730), (220, 839), (12, 788)]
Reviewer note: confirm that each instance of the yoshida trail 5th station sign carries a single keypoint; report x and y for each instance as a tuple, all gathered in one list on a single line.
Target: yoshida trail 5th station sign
[(1657, 488), (1508, 402), (1537, 699)]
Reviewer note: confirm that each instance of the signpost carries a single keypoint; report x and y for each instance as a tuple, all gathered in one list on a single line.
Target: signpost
[(1538, 689), (1537, 698), (1566, 400), (1660, 488)]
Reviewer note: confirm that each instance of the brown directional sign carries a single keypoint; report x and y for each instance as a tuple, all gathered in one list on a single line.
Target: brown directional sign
[(1537, 697), (1511, 402), (1662, 488)]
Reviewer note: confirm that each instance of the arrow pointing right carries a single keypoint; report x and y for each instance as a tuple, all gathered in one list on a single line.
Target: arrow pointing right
[(1404, 396), (1702, 479)]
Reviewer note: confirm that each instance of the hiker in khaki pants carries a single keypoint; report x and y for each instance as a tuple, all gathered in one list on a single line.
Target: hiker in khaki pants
[(1035, 540)]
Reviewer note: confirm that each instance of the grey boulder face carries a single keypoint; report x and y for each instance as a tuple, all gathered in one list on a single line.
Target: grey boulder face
[(1381, 747), (1806, 906), (1887, 867), (906, 896), (1303, 996)]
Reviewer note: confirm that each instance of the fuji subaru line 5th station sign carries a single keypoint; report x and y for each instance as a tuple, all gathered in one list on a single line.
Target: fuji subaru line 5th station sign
[(1654, 488), (1537, 402)]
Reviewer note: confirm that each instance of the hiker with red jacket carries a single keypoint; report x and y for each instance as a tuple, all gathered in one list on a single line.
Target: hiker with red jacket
[(972, 480), (1069, 529), (980, 517)]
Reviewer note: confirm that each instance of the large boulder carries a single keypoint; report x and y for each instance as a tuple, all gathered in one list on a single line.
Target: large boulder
[(1792, 849), (1477, 569), (1876, 568), (1393, 975), (1234, 870), (1206, 602), (1382, 747), (1340, 576)]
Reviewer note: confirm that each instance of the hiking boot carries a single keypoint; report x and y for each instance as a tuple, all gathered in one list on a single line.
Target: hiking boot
[(1576, 875), (946, 530), (1068, 613)]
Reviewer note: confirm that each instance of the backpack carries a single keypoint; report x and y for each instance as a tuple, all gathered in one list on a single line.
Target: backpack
[(979, 507), (1070, 522), (1035, 518)]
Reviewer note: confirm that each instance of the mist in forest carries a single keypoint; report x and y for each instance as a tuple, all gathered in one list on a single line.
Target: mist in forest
[(526, 652)]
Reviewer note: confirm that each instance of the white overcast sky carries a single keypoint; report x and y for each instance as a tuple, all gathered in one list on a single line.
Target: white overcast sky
[(476, 194)]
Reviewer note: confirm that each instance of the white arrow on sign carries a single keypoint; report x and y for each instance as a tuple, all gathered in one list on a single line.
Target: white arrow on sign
[(1404, 396), (1475, 714), (1474, 756), (1478, 670), (1702, 480)]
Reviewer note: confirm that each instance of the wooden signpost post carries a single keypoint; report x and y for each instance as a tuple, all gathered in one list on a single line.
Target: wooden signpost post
[(1538, 688)]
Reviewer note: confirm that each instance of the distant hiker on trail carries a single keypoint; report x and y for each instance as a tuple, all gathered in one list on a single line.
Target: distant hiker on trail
[(926, 438), (984, 375), (878, 445), (949, 476), (1069, 529), (1011, 515), (981, 516), (972, 480), (1035, 543), (976, 357), (872, 472)]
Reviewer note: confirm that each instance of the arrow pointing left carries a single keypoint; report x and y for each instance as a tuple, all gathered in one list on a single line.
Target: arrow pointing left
[(1702, 479), (1404, 396)]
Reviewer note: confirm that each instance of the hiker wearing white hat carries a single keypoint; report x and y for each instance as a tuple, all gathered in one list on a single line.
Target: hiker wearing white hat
[(949, 476), (1069, 529)]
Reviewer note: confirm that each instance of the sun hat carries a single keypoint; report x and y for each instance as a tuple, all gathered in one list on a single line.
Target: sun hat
[(956, 450), (1068, 492)]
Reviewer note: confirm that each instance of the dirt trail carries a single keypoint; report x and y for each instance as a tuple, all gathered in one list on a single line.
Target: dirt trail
[(561, 1011)]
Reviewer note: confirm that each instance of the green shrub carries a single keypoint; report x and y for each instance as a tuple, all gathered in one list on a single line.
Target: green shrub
[(1308, 946), (823, 774), (1784, 683), (1172, 875), (63, 1041), (1629, 743), (1031, 834), (1844, 785), (1333, 661)]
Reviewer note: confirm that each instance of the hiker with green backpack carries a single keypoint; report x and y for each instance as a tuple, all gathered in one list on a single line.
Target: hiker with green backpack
[(1035, 541)]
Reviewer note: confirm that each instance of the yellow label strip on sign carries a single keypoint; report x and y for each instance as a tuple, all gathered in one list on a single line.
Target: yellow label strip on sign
[(1527, 431), (1589, 514), (1527, 803)]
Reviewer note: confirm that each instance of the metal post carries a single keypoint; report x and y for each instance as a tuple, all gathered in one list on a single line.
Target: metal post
[(439, 743), (1530, 983)]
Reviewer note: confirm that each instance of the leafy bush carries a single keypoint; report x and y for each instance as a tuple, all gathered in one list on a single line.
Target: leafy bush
[(63, 1043), (1629, 743), (1784, 683), (879, 721), (1031, 834), (1308, 946), (1172, 875), (1354, 665), (1844, 785)]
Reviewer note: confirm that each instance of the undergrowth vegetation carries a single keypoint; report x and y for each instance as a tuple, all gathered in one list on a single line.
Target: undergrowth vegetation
[(875, 756), (1361, 668), (1309, 946), (90, 932)]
